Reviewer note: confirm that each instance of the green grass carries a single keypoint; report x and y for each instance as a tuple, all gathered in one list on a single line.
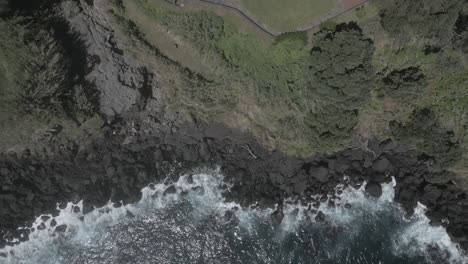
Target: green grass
[(288, 15), (275, 69)]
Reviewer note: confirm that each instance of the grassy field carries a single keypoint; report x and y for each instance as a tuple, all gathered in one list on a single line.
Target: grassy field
[(288, 15)]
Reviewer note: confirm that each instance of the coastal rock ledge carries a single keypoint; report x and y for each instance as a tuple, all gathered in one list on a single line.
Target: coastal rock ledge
[(119, 165)]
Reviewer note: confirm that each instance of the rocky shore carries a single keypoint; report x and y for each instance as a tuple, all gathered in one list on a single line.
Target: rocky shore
[(119, 165), (140, 144)]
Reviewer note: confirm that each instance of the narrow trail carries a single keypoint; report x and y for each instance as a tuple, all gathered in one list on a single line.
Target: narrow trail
[(256, 23)]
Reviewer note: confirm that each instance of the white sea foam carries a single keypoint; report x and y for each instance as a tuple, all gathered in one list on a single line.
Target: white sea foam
[(420, 234), (204, 194)]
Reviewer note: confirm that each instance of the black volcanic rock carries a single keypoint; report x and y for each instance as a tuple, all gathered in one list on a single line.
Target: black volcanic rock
[(320, 173), (320, 217), (150, 158), (276, 178), (277, 216), (61, 228), (374, 189), (170, 190), (381, 165), (230, 218)]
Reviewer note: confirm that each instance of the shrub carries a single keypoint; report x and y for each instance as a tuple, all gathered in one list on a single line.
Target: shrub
[(299, 37), (341, 70), (432, 20), (43, 79), (403, 84), (341, 76), (424, 131), (37, 69)]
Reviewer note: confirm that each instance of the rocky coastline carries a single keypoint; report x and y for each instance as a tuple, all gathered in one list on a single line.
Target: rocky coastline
[(119, 165), (141, 144)]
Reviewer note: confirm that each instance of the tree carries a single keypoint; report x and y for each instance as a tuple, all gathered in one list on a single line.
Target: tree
[(403, 84), (341, 69), (424, 131), (431, 20), (341, 76)]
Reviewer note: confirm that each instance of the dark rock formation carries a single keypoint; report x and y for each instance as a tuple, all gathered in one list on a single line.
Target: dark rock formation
[(320, 217), (121, 164), (170, 190), (277, 216), (373, 188), (122, 82), (320, 173)]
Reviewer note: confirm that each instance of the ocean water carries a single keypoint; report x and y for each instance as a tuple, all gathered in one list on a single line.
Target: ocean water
[(196, 225)]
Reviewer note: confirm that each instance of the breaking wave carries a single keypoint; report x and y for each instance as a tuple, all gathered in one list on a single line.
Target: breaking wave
[(190, 222)]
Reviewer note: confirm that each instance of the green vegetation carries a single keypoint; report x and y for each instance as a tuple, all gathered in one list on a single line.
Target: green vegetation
[(312, 85), (34, 68), (423, 72), (403, 85), (389, 69), (272, 68), (320, 85), (424, 131), (431, 20), (38, 98), (341, 66), (342, 77), (321, 92), (4, 82), (12, 52), (299, 36), (288, 15), (278, 70)]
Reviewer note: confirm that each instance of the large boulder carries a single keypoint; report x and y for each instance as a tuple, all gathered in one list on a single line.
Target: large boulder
[(277, 216), (374, 189), (319, 173), (381, 165), (320, 217), (276, 178)]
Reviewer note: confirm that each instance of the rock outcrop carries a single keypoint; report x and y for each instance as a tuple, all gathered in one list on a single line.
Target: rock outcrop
[(121, 81)]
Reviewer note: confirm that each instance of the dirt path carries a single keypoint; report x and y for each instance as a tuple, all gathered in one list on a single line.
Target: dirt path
[(236, 5)]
